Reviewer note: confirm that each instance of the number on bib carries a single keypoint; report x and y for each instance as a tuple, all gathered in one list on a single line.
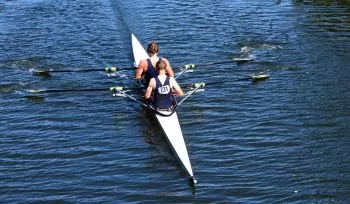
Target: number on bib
[(164, 89)]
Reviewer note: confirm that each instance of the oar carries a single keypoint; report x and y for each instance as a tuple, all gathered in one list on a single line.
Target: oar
[(112, 89), (253, 78), (196, 87), (214, 63), (109, 70), (112, 69), (191, 66)]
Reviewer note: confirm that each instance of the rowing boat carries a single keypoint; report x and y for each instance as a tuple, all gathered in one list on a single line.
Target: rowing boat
[(167, 120)]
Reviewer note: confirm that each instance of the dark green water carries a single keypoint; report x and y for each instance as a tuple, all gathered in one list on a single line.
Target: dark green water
[(283, 140)]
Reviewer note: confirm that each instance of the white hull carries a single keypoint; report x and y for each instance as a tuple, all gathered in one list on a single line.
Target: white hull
[(169, 124), (138, 51), (172, 130)]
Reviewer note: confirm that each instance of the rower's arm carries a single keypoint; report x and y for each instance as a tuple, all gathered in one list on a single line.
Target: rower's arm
[(140, 69), (149, 89), (177, 88), (168, 68)]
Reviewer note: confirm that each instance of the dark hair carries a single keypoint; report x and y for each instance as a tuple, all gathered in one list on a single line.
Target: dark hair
[(161, 64), (153, 47)]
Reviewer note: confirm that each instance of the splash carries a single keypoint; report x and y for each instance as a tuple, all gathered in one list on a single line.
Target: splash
[(11, 87), (252, 46)]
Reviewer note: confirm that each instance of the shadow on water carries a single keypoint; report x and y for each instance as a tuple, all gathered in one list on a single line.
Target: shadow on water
[(37, 99), (344, 3)]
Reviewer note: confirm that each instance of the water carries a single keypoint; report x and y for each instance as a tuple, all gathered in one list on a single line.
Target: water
[(283, 140)]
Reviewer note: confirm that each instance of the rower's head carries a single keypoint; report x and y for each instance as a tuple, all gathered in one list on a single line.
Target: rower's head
[(153, 48), (161, 65)]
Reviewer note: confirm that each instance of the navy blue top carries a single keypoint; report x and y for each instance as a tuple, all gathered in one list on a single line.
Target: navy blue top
[(163, 94), (151, 72)]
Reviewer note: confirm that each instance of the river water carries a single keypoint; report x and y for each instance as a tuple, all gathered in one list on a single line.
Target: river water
[(282, 140)]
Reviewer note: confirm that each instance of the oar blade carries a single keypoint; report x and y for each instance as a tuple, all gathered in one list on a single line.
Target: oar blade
[(242, 59), (261, 77), (40, 73), (35, 90)]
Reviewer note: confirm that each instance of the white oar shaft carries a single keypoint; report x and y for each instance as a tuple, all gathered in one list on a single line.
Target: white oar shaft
[(188, 95)]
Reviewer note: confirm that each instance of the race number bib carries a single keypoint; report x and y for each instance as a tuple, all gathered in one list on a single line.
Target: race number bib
[(164, 89)]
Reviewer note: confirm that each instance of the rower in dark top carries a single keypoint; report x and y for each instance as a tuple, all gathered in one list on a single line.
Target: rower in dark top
[(147, 68), (151, 71), (164, 88)]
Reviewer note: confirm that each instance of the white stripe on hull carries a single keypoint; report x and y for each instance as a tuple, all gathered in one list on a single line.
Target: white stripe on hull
[(172, 130)]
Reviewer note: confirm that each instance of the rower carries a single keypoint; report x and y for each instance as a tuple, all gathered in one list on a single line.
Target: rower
[(146, 67), (164, 88)]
